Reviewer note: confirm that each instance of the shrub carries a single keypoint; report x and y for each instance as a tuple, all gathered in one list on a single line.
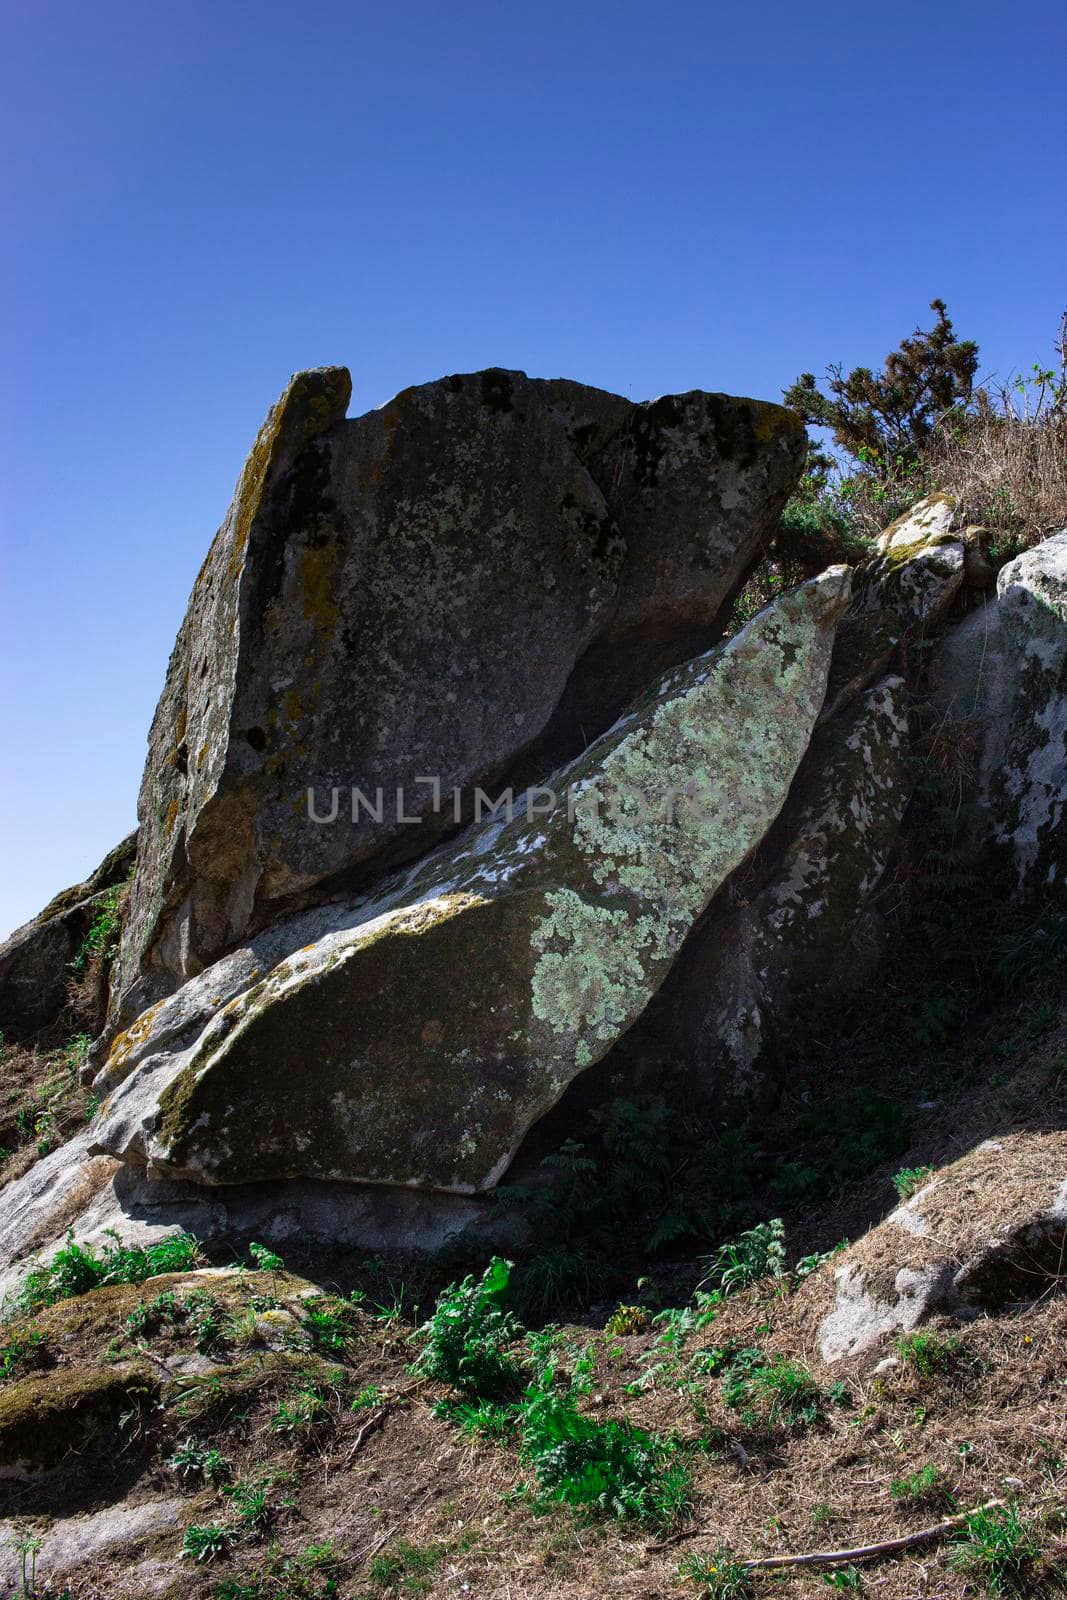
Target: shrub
[(465, 1340), (609, 1467)]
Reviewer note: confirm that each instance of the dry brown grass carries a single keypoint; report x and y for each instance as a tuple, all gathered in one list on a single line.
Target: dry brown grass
[(413, 1482), (1007, 471)]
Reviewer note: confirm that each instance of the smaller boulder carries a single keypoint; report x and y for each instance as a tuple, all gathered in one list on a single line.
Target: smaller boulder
[(986, 1232)]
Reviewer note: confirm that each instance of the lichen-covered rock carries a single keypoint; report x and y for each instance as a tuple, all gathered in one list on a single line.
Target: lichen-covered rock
[(756, 976), (413, 1038), (422, 594), (903, 591), (35, 961), (986, 1232), (999, 680)]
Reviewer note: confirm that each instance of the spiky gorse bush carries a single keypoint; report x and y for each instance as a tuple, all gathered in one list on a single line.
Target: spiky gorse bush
[(919, 425)]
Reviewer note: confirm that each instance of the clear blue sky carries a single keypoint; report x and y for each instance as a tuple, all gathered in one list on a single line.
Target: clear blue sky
[(200, 199)]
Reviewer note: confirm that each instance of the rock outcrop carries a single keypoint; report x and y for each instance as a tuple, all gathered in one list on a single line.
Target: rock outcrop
[(409, 602), (415, 1037), (35, 962)]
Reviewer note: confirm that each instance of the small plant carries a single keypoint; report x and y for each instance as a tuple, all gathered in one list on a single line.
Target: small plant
[(757, 1253), (485, 1418), (249, 1501), (370, 1396), (20, 1354), (303, 1411), (328, 1322), (784, 1392), (406, 1568), (928, 1353), (720, 1575), (846, 1579), (926, 1487), (999, 1548), (102, 937), (796, 1181), (267, 1261), (194, 1459), (627, 1319), (466, 1339), (27, 1551), (206, 1541), (909, 1180)]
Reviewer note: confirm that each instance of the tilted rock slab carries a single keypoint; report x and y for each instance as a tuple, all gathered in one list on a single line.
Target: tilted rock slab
[(415, 1038), (758, 976), (411, 595)]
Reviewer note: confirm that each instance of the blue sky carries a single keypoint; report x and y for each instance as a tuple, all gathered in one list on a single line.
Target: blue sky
[(200, 199)]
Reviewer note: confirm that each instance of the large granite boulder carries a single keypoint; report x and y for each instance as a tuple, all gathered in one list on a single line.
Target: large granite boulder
[(999, 679), (35, 962), (413, 1037), (424, 593)]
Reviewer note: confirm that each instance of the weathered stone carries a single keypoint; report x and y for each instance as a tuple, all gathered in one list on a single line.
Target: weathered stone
[(999, 680), (903, 591), (100, 1198), (982, 1234), (756, 976), (413, 595), (72, 1542), (35, 961), (413, 1038)]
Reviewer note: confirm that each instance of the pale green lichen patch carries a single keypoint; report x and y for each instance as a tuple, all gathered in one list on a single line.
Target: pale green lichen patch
[(590, 974)]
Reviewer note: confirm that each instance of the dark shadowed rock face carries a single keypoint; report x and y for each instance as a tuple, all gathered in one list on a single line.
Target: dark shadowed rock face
[(485, 568), (999, 678)]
